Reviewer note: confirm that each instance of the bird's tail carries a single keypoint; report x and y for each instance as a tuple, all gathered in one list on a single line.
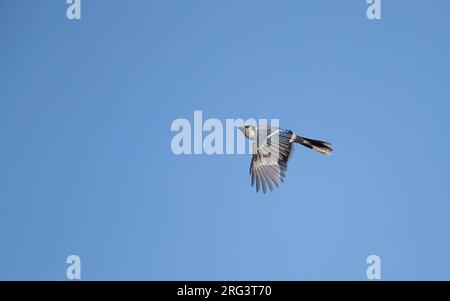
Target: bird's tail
[(317, 145)]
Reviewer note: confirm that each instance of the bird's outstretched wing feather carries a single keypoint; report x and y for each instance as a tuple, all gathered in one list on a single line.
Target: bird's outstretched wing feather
[(269, 161)]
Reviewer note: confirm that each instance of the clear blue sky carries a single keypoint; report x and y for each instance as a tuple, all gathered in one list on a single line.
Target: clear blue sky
[(86, 165)]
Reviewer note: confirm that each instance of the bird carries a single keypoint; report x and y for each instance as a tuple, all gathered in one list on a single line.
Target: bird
[(271, 150)]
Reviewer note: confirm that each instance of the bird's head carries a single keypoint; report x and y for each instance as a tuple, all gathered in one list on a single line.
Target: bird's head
[(247, 130)]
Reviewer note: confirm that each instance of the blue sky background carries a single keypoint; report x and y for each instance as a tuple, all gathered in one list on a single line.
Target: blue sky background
[(86, 165)]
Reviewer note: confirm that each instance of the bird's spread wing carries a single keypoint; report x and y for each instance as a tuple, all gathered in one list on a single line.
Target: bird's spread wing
[(270, 158)]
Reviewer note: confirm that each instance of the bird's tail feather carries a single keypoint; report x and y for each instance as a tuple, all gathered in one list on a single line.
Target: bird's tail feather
[(317, 145)]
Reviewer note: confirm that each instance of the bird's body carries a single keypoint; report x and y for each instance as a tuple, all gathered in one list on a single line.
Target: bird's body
[(272, 148)]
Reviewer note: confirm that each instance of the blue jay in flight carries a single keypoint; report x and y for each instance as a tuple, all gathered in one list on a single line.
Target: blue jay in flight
[(272, 147)]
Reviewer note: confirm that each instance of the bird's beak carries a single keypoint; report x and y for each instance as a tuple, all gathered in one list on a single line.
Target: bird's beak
[(241, 128)]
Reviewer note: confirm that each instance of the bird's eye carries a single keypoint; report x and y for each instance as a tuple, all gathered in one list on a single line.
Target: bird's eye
[(247, 126)]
